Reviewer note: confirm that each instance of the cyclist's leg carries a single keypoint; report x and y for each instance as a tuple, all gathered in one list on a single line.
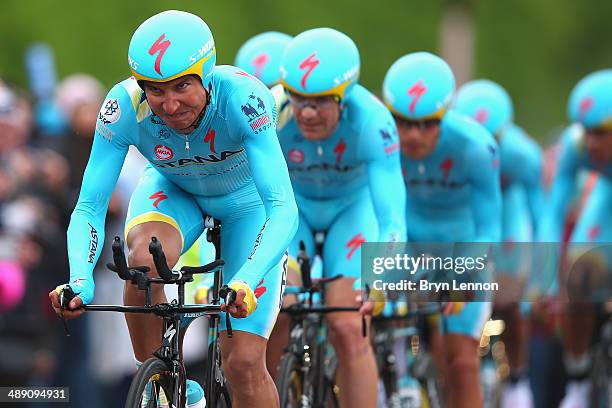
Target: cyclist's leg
[(157, 208), (357, 374), (512, 266), (242, 216), (459, 348), (594, 226), (280, 334)]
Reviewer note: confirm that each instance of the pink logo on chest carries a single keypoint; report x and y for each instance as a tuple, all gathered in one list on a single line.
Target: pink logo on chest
[(296, 156), (163, 152)]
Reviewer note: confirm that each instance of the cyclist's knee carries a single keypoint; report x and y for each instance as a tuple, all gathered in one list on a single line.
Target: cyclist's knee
[(139, 255), (244, 368), (461, 366), (346, 334)]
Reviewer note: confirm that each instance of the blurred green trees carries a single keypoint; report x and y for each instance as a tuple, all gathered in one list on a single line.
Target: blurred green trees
[(537, 49)]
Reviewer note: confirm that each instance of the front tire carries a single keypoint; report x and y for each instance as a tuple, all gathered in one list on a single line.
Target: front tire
[(289, 382), (153, 381)]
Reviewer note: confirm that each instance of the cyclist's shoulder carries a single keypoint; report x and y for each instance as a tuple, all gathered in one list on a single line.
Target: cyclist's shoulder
[(243, 101), (516, 142), (285, 113), (229, 80), (572, 137), (362, 105), (367, 115), (123, 108), (235, 89), (465, 132)]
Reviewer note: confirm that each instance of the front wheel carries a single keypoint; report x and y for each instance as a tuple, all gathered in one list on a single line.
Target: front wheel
[(152, 386), (218, 393), (289, 382)]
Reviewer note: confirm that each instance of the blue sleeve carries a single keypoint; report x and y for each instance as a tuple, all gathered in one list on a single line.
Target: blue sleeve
[(380, 148), (86, 229), (563, 188), (482, 159), (269, 171)]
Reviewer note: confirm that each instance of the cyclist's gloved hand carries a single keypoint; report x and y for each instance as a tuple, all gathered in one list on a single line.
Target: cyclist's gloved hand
[(453, 308), (84, 288), (245, 302), (293, 266), (374, 304), (72, 310)]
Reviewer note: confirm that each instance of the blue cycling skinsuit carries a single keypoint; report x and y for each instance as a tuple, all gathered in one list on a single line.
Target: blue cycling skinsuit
[(231, 167), (454, 195), (595, 223), (521, 167), (349, 184)]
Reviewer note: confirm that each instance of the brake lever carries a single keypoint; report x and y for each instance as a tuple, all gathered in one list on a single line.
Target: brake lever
[(229, 296), (364, 328), (66, 295)]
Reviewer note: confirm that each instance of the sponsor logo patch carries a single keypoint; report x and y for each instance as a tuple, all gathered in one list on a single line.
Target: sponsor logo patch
[(163, 152), (158, 197), (163, 134), (133, 63), (309, 64), (104, 131), (258, 240), (260, 289), (210, 139), (354, 244), (259, 62), (110, 112), (446, 166), (93, 243), (201, 52), (296, 156), (160, 45), (255, 111), (481, 116), (390, 145), (339, 150), (199, 160)]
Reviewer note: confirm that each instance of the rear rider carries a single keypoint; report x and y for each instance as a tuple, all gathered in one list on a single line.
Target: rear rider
[(450, 166), (261, 56), (342, 151), (585, 145), (209, 136), (490, 105)]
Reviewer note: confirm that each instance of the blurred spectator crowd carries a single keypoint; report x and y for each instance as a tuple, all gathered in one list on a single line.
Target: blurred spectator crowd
[(42, 159)]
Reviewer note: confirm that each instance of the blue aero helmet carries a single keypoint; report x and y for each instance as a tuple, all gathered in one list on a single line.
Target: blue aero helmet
[(590, 102), (261, 56), (172, 44), (320, 62), (419, 86), (486, 102)]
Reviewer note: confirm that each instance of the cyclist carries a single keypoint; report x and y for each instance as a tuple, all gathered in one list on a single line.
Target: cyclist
[(261, 56), (586, 144), (343, 157), (209, 136), (450, 166), (489, 104)]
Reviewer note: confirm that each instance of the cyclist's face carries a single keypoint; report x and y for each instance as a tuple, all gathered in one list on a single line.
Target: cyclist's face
[(318, 117), (418, 138), (599, 145), (178, 102)]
